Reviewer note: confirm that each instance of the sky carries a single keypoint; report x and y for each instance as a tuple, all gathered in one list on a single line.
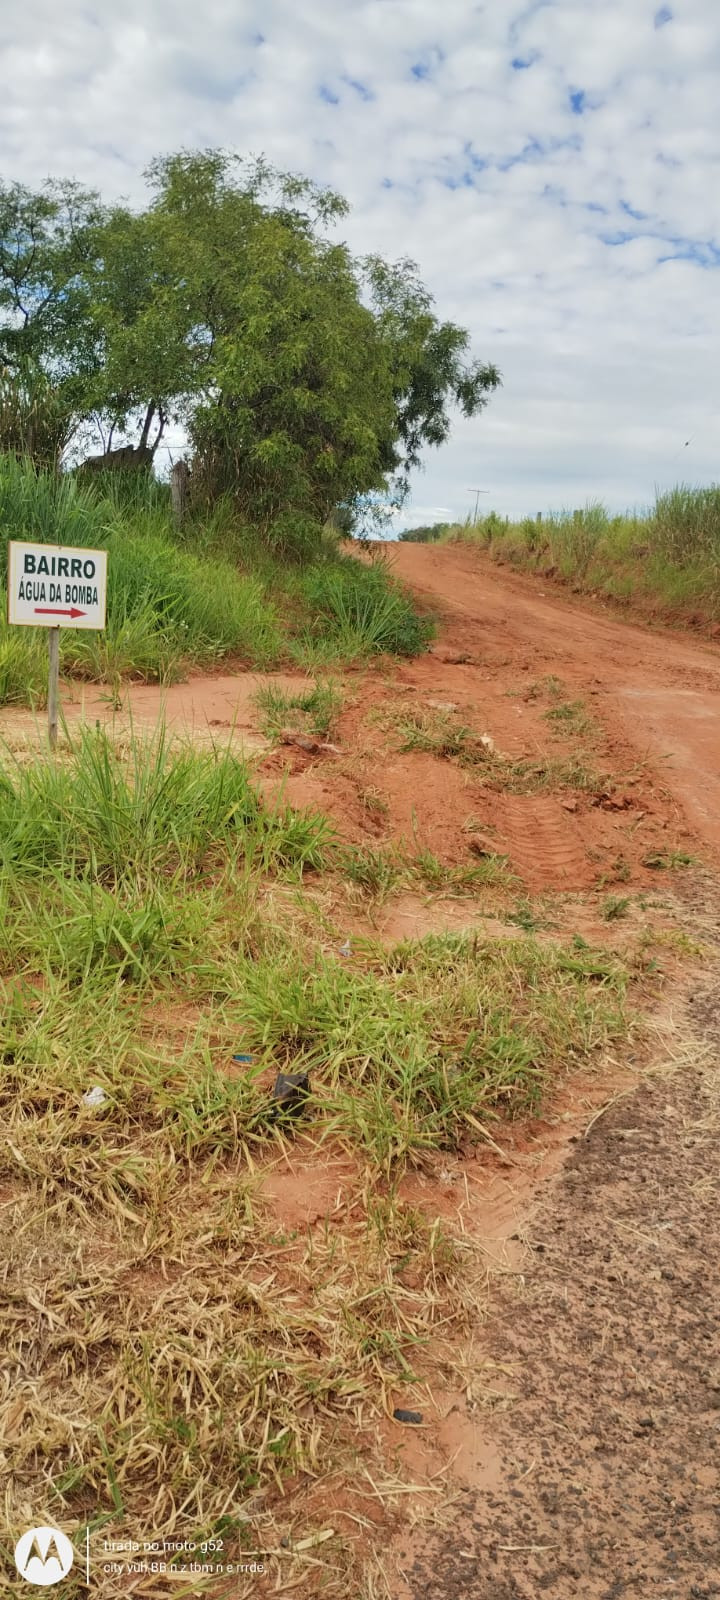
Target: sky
[(553, 168)]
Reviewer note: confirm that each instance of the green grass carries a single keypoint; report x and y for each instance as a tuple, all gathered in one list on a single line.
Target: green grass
[(669, 860), (157, 809), (615, 907), (363, 610), (570, 717), (154, 923), (313, 710), (142, 866), (665, 559), (178, 600)]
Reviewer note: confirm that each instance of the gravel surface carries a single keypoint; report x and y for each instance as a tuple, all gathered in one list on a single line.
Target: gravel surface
[(609, 1484)]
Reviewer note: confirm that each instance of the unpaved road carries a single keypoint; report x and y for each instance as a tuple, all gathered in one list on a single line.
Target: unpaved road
[(599, 1479), (661, 688)]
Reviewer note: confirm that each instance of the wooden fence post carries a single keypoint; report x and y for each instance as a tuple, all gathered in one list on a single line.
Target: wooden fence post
[(179, 475)]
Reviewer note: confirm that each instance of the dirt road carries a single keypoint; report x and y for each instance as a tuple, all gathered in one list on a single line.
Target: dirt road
[(660, 689), (596, 1477)]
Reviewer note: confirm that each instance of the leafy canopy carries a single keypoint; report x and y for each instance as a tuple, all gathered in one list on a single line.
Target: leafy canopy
[(306, 378)]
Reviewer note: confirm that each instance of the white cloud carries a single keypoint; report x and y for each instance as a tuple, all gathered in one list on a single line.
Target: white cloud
[(515, 207)]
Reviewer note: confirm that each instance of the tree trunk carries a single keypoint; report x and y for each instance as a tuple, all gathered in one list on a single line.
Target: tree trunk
[(149, 414)]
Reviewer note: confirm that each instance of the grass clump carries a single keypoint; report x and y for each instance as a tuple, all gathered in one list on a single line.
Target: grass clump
[(313, 710), (363, 610), (669, 860), (442, 735), (615, 907), (570, 717), (154, 809)]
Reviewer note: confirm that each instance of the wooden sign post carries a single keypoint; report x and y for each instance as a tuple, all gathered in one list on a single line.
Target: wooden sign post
[(51, 586), (53, 683)]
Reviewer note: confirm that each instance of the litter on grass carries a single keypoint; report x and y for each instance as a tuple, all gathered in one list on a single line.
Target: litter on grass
[(95, 1096), (290, 1091)]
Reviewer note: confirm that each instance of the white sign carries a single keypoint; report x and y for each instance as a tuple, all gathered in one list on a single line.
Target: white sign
[(50, 586)]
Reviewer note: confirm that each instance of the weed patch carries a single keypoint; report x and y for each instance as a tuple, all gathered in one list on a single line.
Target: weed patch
[(313, 711)]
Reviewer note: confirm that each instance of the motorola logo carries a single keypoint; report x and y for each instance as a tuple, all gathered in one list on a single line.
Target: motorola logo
[(43, 1556)]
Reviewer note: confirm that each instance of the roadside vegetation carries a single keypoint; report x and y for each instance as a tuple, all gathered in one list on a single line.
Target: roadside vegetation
[(665, 561), (209, 594), (157, 923)]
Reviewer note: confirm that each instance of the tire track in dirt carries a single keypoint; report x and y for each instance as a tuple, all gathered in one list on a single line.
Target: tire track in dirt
[(544, 845)]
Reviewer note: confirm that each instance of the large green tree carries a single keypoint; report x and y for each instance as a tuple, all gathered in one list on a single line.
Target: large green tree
[(306, 379)]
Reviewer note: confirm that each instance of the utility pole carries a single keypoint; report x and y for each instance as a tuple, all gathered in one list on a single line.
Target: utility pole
[(477, 493)]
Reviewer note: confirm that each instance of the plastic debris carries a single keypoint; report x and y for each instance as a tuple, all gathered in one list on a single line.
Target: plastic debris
[(407, 1416), (344, 949), (242, 1058), (95, 1096), (290, 1091)]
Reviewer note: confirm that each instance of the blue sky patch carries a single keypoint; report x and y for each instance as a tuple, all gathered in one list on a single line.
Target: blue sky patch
[(663, 16), (360, 88), (637, 216), (703, 252), (577, 101), (327, 96)]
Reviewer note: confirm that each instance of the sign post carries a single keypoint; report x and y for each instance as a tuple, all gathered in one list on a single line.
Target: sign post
[(53, 681), (52, 586)]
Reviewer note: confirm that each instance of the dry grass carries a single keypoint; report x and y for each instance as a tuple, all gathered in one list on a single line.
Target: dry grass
[(441, 734), (177, 1363), (175, 1358)]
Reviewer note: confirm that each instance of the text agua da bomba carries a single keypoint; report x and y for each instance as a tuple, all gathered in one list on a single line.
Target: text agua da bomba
[(42, 574)]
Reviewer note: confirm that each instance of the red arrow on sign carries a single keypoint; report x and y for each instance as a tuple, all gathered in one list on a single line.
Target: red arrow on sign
[(50, 611)]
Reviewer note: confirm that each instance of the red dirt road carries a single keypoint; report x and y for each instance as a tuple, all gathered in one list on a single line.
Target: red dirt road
[(660, 690)]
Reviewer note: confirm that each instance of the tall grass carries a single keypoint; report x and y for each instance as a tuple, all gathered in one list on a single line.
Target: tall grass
[(363, 609), (160, 808), (666, 560), (145, 862), (177, 600)]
